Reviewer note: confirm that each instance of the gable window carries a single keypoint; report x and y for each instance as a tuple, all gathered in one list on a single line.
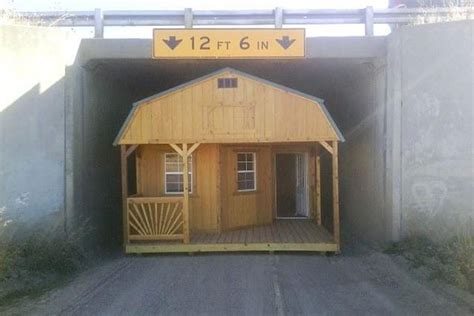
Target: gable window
[(246, 172), (226, 83), (174, 173)]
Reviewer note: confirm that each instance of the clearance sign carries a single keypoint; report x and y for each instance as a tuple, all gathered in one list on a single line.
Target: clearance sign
[(228, 43)]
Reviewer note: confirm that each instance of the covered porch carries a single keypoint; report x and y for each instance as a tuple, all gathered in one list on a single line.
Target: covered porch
[(166, 223), (281, 235)]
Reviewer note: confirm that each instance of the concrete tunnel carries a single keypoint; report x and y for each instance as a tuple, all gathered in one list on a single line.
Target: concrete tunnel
[(349, 81), (403, 103)]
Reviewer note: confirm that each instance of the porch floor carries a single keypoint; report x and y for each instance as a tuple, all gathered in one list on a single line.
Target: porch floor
[(282, 235)]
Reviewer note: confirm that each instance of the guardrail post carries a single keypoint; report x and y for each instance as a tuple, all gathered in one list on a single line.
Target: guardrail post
[(278, 18), (369, 21), (188, 18), (98, 23)]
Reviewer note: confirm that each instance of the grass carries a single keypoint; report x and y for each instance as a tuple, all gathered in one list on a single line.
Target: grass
[(35, 257), (451, 260)]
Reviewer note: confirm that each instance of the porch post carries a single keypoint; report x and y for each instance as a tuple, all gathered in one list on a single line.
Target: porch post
[(185, 195), (124, 173), (184, 152), (335, 195), (318, 190)]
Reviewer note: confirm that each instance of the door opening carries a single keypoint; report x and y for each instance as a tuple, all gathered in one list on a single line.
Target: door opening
[(291, 185)]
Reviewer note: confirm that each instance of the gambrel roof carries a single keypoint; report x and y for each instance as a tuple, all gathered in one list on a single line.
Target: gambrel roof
[(256, 110)]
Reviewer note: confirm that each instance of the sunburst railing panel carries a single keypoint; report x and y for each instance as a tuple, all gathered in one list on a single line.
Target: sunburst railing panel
[(155, 218)]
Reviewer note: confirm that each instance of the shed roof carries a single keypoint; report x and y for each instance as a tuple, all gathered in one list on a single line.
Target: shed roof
[(138, 104)]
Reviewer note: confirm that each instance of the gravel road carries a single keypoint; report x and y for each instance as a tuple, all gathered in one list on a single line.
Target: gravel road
[(248, 284)]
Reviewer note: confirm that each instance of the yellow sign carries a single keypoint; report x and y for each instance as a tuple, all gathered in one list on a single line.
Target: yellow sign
[(228, 43)]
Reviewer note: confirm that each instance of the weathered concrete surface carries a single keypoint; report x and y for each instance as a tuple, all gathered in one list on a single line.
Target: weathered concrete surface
[(407, 165), (32, 68), (358, 107), (322, 47), (249, 284), (432, 99), (97, 194)]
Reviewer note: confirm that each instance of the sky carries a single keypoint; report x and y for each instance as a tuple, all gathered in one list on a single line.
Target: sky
[(145, 32)]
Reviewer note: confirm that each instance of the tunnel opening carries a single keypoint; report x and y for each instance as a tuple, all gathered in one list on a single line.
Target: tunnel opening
[(353, 89)]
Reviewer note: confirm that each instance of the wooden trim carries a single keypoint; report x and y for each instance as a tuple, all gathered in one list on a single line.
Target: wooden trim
[(335, 196), (327, 147), (237, 192), (157, 199), (131, 149), (237, 141), (157, 237), (246, 148), (124, 180), (138, 174), (318, 190), (177, 149), (185, 194), (176, 248), (220, 201), (193, 148)]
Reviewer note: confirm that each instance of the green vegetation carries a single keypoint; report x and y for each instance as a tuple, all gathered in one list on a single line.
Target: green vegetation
[(37, 256), (451, 261)]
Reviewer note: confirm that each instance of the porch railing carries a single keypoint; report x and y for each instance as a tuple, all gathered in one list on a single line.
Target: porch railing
[(155, 218)]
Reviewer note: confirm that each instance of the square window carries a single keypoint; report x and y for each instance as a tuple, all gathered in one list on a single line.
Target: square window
[(174, 174), (246, 174)]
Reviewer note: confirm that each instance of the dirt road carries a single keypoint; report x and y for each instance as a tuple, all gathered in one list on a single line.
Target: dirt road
[(248, 284)]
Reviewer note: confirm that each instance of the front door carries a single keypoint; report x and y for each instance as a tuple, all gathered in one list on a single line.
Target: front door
[(291, 185)]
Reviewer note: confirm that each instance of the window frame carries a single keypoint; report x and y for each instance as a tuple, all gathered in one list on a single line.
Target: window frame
[(190, 172), (227, 83), (254, 171)]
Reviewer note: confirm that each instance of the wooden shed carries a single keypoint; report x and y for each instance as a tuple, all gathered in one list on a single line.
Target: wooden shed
[(252, 149)]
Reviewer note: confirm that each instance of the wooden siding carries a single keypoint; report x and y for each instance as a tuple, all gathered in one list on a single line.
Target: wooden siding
[(240, 209), (215, 202), (252, 112), (204, 199)]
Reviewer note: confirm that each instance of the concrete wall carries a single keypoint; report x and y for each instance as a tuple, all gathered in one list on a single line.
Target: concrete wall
[(32, 117), (431, 99), (362, 155), (99, 114)]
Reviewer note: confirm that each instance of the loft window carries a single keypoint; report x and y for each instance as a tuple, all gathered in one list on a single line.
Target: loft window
[(223, 83), (174, 173), (246, 172)]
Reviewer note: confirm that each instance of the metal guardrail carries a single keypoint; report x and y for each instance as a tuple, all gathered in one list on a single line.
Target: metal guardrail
[(276, 17)]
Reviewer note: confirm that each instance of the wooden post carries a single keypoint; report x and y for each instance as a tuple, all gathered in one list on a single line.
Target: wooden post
[(124, 173), (335, 195), (318, 190), (184, 152), (185, 194)]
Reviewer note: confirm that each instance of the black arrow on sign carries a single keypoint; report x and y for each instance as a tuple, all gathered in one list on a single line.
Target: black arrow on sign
[(172, 42), (285, 41)]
